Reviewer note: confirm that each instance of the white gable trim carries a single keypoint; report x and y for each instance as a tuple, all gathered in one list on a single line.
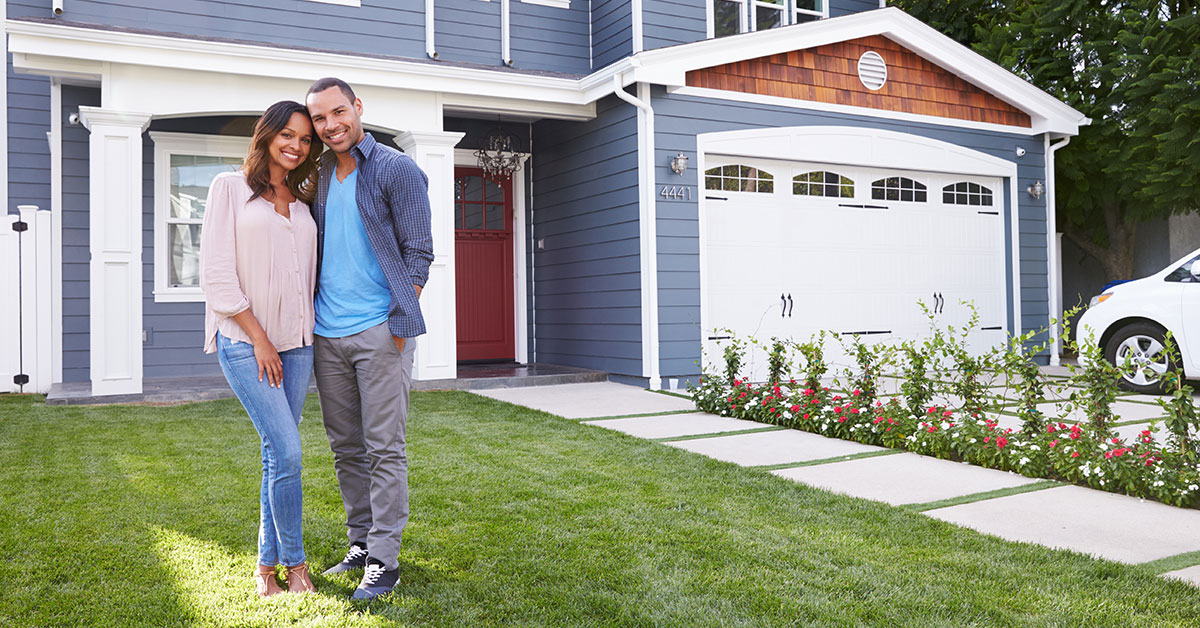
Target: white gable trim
[(669, 66)]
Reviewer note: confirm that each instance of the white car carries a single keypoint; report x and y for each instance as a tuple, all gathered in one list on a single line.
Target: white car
[(1130, 320)]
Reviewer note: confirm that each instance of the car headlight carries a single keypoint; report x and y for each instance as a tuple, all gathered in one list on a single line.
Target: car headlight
[(1100, 298)]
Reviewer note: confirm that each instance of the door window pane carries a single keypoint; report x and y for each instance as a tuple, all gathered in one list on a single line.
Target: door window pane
[(495, 217)]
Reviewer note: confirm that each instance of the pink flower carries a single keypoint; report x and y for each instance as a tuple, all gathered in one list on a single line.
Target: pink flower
[(1054, 442), (987, 439), (1116, 441), (857, 392)]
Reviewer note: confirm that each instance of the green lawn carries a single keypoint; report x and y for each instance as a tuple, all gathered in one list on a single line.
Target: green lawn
[(146, 516)]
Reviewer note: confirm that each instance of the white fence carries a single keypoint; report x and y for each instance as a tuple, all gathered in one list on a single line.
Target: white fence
[(25, 301)]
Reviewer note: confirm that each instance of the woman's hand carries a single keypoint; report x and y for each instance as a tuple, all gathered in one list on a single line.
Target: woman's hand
[(269, 363)]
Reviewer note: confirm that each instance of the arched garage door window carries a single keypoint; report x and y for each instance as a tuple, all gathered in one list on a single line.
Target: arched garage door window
[(967, 193), (822, 183), (739, 178)]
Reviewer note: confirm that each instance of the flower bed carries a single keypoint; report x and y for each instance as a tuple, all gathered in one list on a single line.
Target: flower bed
[(1087, 453)]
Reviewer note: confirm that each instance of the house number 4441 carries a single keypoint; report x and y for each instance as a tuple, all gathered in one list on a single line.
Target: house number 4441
[(676, 192)]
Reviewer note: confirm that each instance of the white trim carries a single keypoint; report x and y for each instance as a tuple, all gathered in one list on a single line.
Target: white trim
[(4, 114), (165, 145), (648, 223), (465, 158), (854, 146), (430, 31), (345, 3), (635, 10), (56, 218), (709, 27), (557, 4)]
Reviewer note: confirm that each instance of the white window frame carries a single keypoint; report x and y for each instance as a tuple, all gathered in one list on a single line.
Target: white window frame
[(748, 19), (558, 4), (345, 3), (165, 145)]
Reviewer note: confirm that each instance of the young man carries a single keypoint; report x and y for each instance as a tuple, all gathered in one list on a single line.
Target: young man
[(374, 247)]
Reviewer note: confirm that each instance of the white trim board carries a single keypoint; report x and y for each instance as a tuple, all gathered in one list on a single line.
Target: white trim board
[(868, 148), (465, 158)]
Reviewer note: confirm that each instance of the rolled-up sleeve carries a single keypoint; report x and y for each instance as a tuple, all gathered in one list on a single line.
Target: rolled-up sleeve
[(410, 194), (218, 252)]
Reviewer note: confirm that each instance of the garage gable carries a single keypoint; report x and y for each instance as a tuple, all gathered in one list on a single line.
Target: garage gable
[(833, 74)]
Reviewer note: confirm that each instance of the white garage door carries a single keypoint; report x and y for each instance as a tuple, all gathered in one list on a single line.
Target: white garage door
[(792, 248)]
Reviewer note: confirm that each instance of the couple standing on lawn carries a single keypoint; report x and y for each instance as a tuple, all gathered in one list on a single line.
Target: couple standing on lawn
[(332, 292)]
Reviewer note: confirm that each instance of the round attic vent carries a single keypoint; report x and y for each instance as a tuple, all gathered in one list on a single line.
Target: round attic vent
[(872, 71)]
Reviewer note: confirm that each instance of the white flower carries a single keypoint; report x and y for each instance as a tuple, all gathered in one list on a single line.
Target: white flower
[(1023, 461), (1192, 487), (1158, 483), (973, 440), (1034, 448)]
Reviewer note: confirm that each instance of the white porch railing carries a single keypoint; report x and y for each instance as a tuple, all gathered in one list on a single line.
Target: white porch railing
[(25, 301)]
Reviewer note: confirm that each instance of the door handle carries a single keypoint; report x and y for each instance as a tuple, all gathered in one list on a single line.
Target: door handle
[(791, 305), (783, 307)]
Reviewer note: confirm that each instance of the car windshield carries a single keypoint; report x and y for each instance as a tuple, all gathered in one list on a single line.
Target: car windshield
[(1183, 274)]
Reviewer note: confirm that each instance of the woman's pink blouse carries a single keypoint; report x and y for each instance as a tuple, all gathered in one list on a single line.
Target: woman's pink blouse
[(253, 258)]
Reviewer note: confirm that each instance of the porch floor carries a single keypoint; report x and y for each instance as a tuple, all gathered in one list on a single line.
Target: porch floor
[(188, 389)]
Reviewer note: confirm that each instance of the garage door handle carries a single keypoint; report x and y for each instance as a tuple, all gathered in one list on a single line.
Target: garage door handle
[(790, 305), (996, 328)]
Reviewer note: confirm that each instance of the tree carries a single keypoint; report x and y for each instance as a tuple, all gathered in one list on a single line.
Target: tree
[(1133, 67)]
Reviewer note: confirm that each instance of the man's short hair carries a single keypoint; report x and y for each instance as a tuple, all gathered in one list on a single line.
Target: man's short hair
[(323, 84)]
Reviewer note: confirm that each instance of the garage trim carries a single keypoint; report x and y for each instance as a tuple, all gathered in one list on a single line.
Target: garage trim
[(857, 147)]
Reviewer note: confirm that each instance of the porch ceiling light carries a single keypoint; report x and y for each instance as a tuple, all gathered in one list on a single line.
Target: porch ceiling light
[(498, 158), (1036, 190), (679, 164)]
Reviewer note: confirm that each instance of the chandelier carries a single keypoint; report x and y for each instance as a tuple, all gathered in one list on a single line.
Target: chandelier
[(498, 158)]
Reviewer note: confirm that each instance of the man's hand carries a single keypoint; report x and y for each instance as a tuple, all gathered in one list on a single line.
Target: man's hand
[(418, 289), (399, 343)]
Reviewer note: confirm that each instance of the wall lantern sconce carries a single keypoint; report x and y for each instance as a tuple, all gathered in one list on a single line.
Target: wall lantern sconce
[(1036, 190), (679, 164)]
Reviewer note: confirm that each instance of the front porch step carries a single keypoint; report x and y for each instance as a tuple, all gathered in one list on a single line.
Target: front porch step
[(206, 388)]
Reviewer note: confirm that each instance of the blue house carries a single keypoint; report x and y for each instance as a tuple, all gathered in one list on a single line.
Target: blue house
[(678, 167)]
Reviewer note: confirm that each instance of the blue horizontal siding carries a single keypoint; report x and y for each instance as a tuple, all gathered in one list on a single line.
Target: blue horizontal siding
[(846, 7), (678, 119), (550, 38), (377, 27), (467, 30), (612, 31), (588, 276), (671, 22)]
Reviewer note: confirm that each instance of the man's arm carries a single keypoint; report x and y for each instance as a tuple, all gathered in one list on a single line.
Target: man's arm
[(410, 206)]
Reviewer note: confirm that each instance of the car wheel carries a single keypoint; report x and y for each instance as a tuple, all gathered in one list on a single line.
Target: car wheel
[(1141, 344)]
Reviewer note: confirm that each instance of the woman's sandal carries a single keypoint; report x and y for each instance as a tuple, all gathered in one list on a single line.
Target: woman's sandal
[(298, 580), (267, 585)]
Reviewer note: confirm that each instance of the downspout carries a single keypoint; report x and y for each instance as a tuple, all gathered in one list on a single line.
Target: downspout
[(1055, 278), (647, 219), (430, 49), (505, 32), (635, 9)]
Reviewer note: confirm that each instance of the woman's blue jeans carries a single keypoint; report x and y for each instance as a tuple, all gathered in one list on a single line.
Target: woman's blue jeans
[(275, 413)]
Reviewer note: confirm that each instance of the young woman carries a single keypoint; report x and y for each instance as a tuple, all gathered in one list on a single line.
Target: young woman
[(258, 262)]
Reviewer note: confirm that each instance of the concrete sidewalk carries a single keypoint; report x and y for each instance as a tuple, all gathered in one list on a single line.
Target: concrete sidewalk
[(1007, 505)]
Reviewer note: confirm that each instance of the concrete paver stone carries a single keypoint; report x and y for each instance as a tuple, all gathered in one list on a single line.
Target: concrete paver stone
[(595, 399), (676, 425), (1188, 574), (1116, 527), (770, 448), (903, 478)]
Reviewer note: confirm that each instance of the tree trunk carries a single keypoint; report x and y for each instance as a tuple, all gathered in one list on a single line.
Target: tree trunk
[(1116, 259)]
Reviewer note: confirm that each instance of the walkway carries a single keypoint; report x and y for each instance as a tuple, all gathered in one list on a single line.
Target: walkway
[(1163, 538)]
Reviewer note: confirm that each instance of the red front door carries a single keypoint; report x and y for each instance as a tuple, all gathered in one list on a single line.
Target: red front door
[(483, 251)]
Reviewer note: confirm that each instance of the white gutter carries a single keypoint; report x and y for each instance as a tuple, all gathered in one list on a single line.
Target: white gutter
[(505, 33), (647, 219), (635, 8), (430, 30), (1054, 270)]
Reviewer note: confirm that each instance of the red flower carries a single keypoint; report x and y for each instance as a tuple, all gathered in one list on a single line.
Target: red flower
[(932, 429), (837, 410), (853, 410), (1050, 429), (987, 439), (887, 429), (1074, 435), (947, 414), (931, 410), (1075, 454), (772, 410), (836, 398), (1116, 441), (795, 408), (857, 392), (792, 381), (741, 396), (891, 422), (1108, 454), (806, 416), (842, 420), (1054, 442), (1001, 442)]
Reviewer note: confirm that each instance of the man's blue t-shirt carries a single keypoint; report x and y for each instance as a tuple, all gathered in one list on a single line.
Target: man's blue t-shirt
[(352, 292)]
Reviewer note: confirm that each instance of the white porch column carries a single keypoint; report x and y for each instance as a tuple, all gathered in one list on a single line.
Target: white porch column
[(437, 352), (115, 229)]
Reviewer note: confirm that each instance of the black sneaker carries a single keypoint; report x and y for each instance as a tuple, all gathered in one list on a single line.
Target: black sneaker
[(356, 558), (376, 581)]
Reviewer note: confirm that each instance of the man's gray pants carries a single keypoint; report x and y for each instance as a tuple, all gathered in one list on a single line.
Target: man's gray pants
[(363, 383)]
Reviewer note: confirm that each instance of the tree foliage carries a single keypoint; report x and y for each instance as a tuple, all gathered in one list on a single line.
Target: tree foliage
[(1133, 67)]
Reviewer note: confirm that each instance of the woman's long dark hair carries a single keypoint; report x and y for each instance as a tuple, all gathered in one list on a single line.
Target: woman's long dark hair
[(303, 180)]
